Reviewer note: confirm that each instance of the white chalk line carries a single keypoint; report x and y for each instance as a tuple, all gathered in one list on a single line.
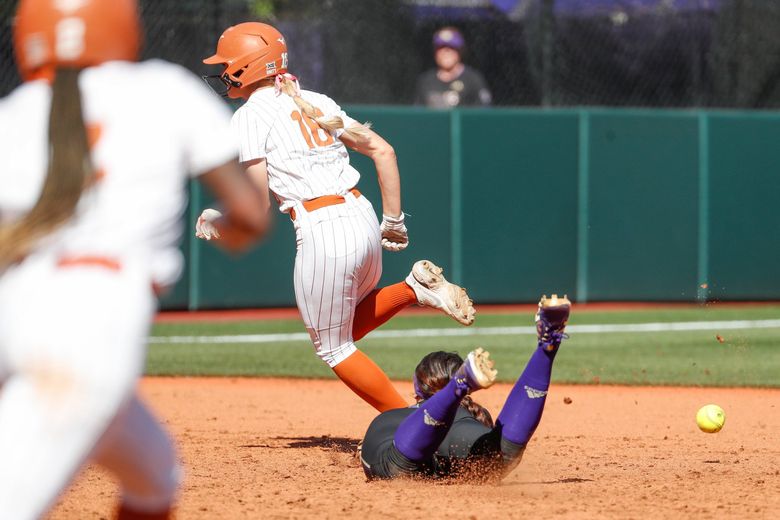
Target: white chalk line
[(482, 331)]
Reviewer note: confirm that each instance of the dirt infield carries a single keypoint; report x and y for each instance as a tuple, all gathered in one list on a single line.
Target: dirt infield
[(272, 448)]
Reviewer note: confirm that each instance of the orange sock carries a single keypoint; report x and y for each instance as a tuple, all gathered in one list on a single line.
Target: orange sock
[(379, 306), (367, 380)]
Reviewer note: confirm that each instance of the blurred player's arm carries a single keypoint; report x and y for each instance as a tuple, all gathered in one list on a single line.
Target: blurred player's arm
[(371, 144), (257, 171), (246, 216)]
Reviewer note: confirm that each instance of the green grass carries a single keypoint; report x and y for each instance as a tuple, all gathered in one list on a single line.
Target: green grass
[(746, 358)]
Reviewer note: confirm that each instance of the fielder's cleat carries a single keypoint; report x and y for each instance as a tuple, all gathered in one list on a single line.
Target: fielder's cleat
[(433, 290), (551, 320), (476, 372)]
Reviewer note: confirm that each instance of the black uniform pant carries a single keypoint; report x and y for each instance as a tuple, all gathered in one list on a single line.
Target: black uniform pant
[(470, 450)]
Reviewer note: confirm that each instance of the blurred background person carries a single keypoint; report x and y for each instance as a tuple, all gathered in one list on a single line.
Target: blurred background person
[(452, 83)]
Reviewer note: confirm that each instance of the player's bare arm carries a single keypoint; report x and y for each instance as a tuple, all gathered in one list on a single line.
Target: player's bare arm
[(246, 216), (371, 144), (382, 153)]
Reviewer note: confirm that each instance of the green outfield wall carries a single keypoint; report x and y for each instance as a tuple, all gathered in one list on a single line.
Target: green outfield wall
[(600, 204)]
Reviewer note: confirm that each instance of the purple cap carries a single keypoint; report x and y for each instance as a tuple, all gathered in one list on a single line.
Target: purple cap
[(448, 37)]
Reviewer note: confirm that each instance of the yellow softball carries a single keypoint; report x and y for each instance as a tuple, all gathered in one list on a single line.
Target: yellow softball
[(710, 418)]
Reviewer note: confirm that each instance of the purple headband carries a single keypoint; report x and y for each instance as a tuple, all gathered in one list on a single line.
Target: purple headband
[(417, 391)]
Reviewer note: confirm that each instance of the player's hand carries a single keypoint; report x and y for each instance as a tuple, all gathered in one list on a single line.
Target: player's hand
[(204, 227), (394, 234)]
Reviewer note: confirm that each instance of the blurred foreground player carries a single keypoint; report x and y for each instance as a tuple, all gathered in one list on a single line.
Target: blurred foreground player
[(92, 187), (448, 435)]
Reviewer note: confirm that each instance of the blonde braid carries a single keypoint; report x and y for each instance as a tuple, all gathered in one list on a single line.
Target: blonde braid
[(70, 170), (288, 85)]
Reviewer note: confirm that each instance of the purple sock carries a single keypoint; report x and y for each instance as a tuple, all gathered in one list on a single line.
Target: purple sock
[(420, 434), (524, 406)]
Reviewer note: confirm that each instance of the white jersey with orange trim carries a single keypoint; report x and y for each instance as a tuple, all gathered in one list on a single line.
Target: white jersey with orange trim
[(145, 147), (339, 253), (73, 335), (304, 161)]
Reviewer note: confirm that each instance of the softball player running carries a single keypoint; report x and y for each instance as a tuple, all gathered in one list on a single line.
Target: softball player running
[(94, 169), (448, 435), (293, 142)]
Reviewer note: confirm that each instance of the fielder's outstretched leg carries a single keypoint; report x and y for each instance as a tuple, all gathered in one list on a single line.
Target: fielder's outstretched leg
[(523, 408), (420, 434)]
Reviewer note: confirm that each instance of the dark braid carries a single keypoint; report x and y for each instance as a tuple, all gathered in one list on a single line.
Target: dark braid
[(479, 412), (434, 372)]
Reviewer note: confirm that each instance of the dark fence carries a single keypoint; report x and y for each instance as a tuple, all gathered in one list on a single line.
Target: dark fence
[(665, 53)]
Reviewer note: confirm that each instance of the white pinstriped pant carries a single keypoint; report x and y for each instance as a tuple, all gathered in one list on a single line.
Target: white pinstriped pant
[(338, 263)]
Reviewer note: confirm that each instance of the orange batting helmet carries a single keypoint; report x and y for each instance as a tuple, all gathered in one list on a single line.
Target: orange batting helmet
[(250, 52), (75, 33)]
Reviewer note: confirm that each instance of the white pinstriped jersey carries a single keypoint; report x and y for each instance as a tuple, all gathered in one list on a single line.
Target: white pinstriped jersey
[(147, 144), (304, 161)]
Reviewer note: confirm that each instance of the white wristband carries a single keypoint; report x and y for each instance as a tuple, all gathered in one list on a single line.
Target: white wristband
[(393, 220)]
